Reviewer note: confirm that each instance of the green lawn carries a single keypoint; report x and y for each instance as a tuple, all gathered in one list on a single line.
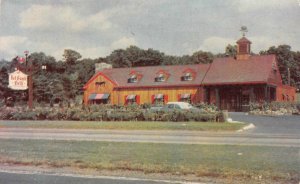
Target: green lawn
[(126, 125), (220, 161)]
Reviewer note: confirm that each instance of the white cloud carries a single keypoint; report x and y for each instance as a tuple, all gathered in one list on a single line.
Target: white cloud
[(216, 44), (9, 45), (47, 17), (251, 5)]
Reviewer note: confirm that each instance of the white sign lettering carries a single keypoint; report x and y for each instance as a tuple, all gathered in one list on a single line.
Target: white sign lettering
[(18, 80)]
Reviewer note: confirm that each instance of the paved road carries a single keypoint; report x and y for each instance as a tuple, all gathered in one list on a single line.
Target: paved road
[(18, 178), (269, 131), (175, 137), (288, 125)]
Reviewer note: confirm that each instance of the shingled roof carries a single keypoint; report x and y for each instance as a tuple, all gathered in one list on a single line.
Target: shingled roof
[(120, 76), (223, 71), (228, 70), (243, 40)]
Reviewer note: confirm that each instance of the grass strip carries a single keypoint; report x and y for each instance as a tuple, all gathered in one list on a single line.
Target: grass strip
[(125, 125), (248, 162)]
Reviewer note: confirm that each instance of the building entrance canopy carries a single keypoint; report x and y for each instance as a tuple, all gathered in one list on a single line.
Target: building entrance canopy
[(130, 97), (97, 96)]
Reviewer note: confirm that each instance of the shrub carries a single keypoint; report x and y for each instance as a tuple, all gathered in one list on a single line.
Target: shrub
[(42, 113), (73, 114), (274, 106), (97, 116), (222, 116), (298, 107), (7, 113), (149, 116), (107, 113), (27, 115), (210, 108), (206, 117), (165, 117)]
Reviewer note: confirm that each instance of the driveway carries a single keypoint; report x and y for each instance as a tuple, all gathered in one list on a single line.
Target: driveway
[(285, 125)]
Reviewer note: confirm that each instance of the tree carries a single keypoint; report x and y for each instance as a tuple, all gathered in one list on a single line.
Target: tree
[(202, 57), (286, 59), (71, 56), (171, 60), (3, 83), (39, 59), (118, 59), (134, 56), (231, 50)]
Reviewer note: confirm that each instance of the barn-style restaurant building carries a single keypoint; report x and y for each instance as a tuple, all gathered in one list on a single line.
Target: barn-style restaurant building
[(231, 83)]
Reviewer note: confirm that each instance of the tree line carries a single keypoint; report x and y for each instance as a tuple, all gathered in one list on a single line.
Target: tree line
[(62, 81)]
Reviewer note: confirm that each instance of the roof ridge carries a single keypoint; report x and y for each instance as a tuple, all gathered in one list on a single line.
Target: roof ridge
[(156, 66)]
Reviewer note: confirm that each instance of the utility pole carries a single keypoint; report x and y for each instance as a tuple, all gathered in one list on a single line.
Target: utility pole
[(29, 70), (289, 76), (30, 82)]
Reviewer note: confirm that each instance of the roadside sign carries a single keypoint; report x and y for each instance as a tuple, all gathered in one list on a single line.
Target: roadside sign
[(18, 80)]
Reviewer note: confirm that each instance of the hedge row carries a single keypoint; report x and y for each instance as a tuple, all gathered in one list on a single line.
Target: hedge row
[(107, 113), (275, 106)]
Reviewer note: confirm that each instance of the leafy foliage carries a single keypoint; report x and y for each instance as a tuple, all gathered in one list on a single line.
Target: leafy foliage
[(107, 113), (71, 56), (287, 59)]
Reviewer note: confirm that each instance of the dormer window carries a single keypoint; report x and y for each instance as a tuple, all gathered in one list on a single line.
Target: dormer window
[(187, 77), (132, 79), (160, 78)]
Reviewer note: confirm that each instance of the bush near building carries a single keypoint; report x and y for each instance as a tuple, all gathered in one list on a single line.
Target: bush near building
[(275, 108), (110, 113)]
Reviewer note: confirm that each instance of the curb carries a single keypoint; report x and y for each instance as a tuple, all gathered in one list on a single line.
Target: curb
[(248, 127)]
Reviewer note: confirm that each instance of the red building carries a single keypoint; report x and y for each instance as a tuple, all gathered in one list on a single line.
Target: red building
[(231, 83)]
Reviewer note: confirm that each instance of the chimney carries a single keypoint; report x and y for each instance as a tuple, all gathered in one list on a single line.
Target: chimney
[(101, 66)]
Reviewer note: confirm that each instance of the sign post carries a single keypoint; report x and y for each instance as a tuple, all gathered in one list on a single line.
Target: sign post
[(21, 81), (18, 80)]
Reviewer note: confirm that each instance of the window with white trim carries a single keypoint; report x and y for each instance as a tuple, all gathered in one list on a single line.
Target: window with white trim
[(187, 77), (160, 78), (132, 79)]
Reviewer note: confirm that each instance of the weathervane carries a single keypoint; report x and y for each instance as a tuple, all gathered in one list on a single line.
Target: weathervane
[(244, 30)]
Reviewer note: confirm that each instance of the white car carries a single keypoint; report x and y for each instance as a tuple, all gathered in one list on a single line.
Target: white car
[(171, 106), (179, 105)]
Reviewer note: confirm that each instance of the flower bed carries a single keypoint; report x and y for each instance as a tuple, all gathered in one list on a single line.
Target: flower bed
[(275, 108)]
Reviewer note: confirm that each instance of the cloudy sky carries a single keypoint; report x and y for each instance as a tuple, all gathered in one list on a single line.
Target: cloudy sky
[(94, 28)]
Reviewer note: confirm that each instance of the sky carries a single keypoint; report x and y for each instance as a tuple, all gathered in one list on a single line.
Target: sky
[(95, 28)]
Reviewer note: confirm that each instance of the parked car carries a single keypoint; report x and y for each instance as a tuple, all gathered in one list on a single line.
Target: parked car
[(179, 106), (157, 108), (171, 106)]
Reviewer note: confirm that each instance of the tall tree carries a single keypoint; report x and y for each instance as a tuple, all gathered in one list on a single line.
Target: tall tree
[(134, 56), (231, 50), (286, 59), (71, 56), (3, 83), (202, 57)]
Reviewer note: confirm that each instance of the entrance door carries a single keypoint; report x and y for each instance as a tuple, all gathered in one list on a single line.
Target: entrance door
[(245, 102), (231, 99)]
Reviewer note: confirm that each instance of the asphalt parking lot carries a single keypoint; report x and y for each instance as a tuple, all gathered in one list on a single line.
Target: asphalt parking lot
[(289, 124)]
